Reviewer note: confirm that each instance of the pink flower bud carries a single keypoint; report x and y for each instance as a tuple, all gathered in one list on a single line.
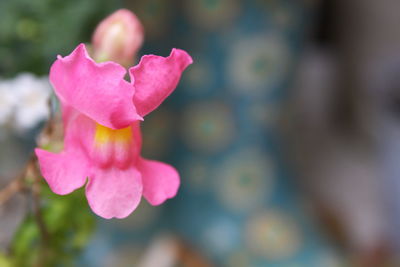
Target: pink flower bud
[(118, 38)]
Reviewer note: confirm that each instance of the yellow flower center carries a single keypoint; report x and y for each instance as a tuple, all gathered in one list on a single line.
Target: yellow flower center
[(106, 135)]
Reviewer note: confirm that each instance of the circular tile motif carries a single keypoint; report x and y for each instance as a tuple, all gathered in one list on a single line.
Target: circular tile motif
[(245, 181), (208, 126), (258, 64), (273, 234)]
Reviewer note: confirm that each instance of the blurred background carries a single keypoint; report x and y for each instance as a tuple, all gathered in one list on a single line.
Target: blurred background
[(285, 131)]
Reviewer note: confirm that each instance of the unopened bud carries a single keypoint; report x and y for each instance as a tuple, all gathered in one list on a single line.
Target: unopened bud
[(118, 38)]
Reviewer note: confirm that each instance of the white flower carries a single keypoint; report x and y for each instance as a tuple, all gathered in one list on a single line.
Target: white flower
[(7, 101), (31, 94)]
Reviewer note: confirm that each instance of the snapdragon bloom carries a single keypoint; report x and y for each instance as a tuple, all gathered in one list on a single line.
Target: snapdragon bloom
[(102, 142), (118, 38)]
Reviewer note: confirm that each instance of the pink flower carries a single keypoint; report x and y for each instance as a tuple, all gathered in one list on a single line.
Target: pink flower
[(118, 38), (102, 142)]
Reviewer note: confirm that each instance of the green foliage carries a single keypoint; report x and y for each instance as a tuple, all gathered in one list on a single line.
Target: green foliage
[(33, 32), (68, 223), (4, 261)]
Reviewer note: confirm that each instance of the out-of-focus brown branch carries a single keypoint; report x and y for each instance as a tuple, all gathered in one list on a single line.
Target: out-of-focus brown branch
[(16, 185), (12, 188)]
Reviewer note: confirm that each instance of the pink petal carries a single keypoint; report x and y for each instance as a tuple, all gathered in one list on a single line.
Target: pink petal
[(160, 181), (114, 192), (96, 90), (68, 170), (137, 136), (156, 77), (79, 130), (64, 172)]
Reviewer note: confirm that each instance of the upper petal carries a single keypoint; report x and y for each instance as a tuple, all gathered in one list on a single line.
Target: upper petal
[(113, 192), (97, 90), (156, 77), (160, 181)]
